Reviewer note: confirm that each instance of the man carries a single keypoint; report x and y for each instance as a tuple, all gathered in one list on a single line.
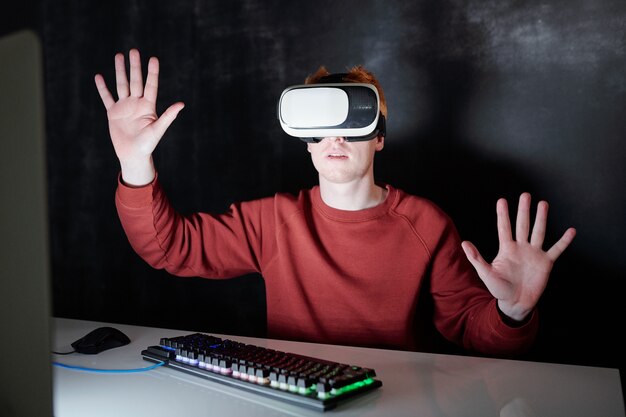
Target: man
[(344, 262)]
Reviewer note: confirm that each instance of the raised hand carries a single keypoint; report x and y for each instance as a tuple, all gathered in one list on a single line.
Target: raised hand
[(134, 126), (519, 273)]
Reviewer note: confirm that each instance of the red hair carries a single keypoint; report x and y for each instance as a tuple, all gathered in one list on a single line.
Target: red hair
[(356, 74)]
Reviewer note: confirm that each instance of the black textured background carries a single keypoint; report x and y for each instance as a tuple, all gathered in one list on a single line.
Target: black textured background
[(486, 99)]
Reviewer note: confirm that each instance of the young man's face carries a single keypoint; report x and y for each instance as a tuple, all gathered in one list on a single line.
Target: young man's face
[(338, 161)]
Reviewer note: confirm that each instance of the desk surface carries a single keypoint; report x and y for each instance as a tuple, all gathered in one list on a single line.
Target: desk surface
[(414, 384)]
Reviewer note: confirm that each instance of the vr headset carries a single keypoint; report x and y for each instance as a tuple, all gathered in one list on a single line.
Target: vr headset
[(332, 108)]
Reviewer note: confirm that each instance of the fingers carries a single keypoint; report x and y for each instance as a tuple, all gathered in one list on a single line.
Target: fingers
[(166, 119), (120, 77), (475, 258), (104, 92), (152, 81), (504, 223), (136, 80), (559, 247), (522, 223), (539, 228), (135, 88)]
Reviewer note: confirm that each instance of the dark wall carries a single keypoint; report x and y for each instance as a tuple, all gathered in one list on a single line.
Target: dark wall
[(486, 99)]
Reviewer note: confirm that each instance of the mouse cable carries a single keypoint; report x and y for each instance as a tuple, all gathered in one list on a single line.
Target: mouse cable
[(107, 371)]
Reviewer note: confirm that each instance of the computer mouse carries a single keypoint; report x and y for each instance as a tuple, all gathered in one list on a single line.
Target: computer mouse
[(100, 339)]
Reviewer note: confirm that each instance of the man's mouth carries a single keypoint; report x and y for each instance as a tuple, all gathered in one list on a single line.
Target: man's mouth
[(337, 156)]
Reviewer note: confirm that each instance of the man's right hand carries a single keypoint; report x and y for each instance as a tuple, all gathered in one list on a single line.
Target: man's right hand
[(134, 126)]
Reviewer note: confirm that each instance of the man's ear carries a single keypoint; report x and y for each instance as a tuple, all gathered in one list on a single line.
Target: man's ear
[(380, 142), (308, 146)]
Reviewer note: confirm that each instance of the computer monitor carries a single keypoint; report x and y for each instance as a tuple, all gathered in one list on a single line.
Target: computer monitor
[(25, 370)]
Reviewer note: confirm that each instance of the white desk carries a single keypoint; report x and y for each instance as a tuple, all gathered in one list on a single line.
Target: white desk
[(414, 384)]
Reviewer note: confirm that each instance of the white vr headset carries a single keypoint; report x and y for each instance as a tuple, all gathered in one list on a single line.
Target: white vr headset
[(312, 112)]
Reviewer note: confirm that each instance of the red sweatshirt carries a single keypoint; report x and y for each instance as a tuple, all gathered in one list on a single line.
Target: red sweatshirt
[(331, 276)]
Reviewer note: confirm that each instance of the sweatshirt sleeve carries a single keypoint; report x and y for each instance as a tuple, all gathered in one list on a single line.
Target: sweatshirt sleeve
[(465, 311), (201, 244)]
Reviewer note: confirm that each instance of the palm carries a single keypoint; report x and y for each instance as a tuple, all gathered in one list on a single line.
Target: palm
[(134, 125), (519, 273), (131, 126)]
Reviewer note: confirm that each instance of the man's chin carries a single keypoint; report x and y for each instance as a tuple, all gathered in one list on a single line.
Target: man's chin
[(338, 177)]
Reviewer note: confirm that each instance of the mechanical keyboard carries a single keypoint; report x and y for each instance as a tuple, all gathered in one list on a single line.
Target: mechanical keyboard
[(301, 380)]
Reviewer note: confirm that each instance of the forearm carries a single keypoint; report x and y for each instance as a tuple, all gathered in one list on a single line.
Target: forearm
[(479, 327), (490, 333), (467, 314), (197, 245), (143, 219)]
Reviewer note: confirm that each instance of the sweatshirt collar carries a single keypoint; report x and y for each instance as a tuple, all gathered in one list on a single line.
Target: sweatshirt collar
[(356, 215)]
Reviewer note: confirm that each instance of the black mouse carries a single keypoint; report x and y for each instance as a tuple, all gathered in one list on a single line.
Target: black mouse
[(100, 339)]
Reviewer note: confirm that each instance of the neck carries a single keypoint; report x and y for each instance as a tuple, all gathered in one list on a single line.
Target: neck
[(352, 196)]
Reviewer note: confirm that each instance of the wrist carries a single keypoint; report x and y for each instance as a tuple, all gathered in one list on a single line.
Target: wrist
[(513, 317), (137, 172)]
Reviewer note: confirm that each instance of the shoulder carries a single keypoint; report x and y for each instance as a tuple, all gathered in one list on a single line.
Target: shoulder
[(279, 206), (429, 222), (287, 199), (418, 209)]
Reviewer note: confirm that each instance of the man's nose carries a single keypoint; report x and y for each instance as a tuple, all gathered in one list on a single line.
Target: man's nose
[(338, 139)]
